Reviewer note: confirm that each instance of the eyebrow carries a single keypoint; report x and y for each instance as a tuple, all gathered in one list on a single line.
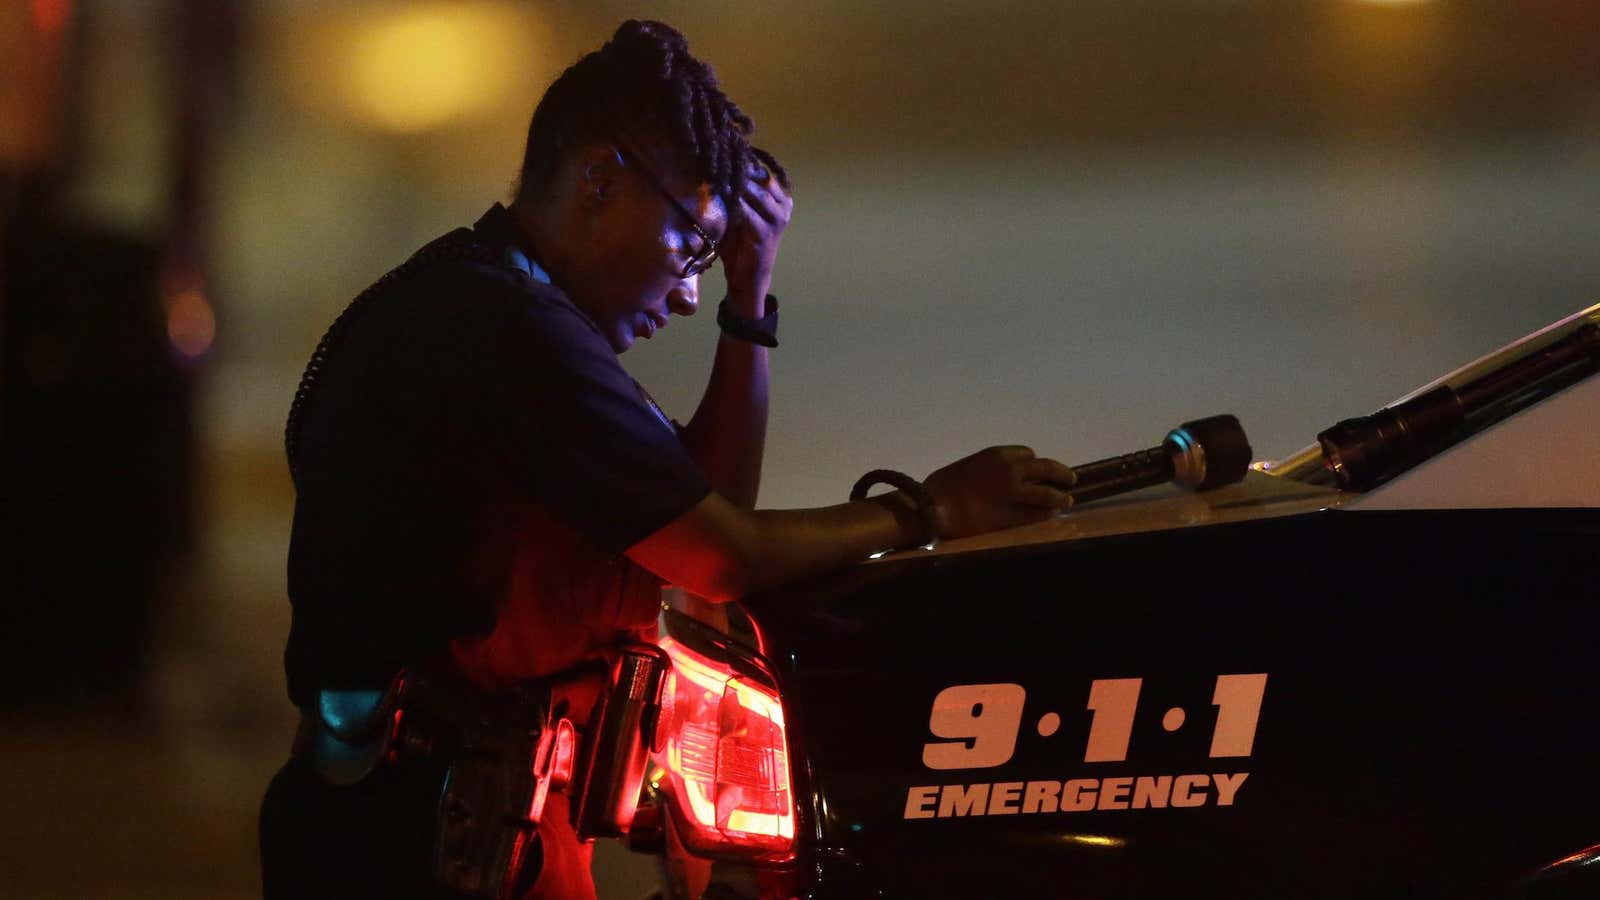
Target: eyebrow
[(726, 225), (700, 227), (655, 180), (730, 216)]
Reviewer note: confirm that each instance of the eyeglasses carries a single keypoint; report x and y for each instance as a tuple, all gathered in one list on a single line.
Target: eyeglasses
[(702, 258)]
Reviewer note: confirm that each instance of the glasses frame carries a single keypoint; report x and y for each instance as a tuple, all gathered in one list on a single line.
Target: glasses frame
[(701, 259)]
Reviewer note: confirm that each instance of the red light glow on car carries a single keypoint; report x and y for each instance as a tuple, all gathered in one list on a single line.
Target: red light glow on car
[(726, 759)]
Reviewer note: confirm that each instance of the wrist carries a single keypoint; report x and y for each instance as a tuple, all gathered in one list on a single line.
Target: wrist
[(908, 523), (911, 495)]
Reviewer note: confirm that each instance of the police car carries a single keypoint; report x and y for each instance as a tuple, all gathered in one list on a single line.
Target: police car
[(1367, 670)]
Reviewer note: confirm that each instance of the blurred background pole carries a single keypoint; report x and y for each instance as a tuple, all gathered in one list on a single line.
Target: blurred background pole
[(106, 328), (205, 38)]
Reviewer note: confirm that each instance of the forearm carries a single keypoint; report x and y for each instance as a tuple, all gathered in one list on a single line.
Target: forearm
[(723, 552), (728, 434), (802, 543)]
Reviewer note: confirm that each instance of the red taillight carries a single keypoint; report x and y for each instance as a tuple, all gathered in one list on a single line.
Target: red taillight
[(726, 757)]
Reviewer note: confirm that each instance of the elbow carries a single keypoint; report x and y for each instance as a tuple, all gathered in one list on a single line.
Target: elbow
[(732, 575), (716, 551), (720, 592), (739, 565)]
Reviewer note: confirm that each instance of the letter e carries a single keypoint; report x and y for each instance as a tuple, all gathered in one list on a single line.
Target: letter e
[(1114, 792), (1003, 798), (917, 800)]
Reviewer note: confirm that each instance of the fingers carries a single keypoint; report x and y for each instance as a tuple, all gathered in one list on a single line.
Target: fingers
[(1043, 482), (768, 198), (749, 214), (760, 203), (1042, 495), (769, 189), (764, 186), (1001, 487), (1049, 471), (760, 175), (1026, 467)]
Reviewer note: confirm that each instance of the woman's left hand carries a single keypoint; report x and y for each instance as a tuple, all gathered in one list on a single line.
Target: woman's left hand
[(750, 249)]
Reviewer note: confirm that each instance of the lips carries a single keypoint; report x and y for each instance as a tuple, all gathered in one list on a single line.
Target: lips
[(655, 321)]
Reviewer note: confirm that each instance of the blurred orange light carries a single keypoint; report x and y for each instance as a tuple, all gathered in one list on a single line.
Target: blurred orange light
[(191, 325), (51, 15), (423, 66)]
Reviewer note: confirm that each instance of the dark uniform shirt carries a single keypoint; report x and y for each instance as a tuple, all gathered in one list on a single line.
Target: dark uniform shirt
[(471, 464)]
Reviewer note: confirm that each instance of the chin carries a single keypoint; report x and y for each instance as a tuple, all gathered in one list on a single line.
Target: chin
[(621, 340)]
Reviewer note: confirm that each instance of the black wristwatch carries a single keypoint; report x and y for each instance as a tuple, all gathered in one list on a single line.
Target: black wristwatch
[(763, 331)]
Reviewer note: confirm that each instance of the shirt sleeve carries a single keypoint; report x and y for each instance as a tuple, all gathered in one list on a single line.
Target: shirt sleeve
[(586, 443)]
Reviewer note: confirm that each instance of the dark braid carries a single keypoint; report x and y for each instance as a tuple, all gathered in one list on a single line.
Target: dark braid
[(644, 85)]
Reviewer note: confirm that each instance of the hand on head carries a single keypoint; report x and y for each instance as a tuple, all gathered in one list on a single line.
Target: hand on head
[(764, 207)]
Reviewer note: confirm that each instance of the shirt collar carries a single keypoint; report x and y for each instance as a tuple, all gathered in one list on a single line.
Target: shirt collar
[(500, 228)]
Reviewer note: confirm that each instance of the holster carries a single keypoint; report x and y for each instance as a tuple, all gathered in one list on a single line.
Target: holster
[(504, 755), (507, 756)]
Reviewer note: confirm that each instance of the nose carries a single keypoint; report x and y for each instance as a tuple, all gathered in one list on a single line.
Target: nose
[(685, 298)]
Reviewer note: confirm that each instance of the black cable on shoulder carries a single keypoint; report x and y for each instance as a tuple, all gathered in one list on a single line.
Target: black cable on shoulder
[(451, 247)]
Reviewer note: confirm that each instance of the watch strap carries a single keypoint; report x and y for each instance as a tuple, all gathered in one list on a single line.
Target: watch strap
[(763, 331)]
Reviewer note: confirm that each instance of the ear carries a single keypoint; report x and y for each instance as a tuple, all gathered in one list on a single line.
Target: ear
[(598, 171)]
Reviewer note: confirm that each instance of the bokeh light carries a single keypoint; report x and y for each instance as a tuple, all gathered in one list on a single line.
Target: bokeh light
[(191, 324), (426, 66), (416, 67)]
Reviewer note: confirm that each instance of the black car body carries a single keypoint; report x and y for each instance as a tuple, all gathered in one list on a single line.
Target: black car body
[(1275, 689)]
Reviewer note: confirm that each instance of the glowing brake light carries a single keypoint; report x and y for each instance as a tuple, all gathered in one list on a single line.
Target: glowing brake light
[(725, 754)]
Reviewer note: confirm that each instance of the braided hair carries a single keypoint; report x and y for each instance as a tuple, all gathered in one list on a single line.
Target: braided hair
[(644, 85)]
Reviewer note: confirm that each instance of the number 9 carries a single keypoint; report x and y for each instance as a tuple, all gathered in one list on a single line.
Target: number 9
[(982, 717)]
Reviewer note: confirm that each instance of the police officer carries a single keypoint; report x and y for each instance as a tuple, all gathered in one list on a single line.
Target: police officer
[(481, 490)]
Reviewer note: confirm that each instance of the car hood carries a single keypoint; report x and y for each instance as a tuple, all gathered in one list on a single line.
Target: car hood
[(1160, 508)]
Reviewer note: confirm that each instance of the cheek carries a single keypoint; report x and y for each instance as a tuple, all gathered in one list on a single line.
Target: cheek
[(661, 252), (635, 251), (634, 275), (670, 244), (655, 258), (644, 252), (648, 233)]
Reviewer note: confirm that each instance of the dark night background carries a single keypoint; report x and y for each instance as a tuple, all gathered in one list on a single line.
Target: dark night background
[(1071, 225)]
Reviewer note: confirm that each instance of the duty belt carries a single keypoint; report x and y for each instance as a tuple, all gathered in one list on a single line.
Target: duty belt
[(505, 753)]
